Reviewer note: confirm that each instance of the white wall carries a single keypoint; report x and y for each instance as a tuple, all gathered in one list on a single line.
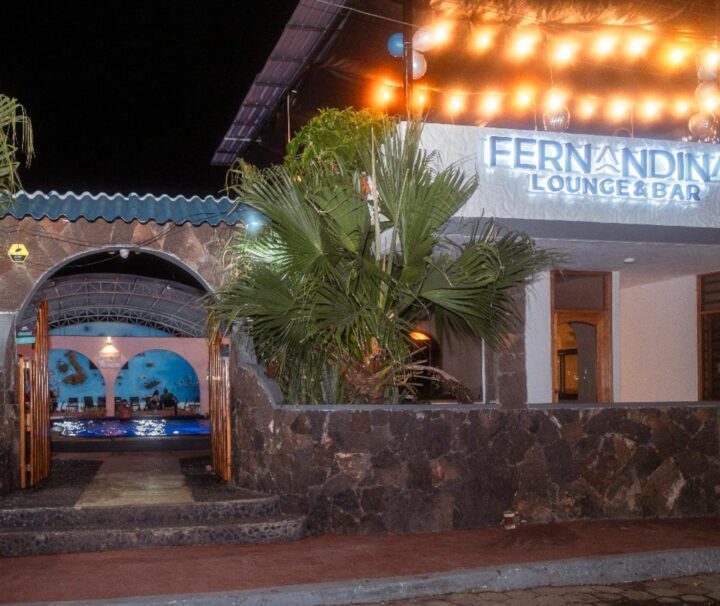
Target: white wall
[(538, 340), (658, 341)]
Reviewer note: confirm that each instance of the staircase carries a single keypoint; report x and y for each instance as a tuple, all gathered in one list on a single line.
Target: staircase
[(254, 518)]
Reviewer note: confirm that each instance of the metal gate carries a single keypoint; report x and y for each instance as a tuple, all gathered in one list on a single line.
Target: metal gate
[(219, 408), (34, 395)]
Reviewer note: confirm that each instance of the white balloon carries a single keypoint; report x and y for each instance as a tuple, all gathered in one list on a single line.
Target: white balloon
[(419, 65), (423, 39), (702, 125)]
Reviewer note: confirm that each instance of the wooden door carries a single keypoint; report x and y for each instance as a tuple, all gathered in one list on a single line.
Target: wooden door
[(34, 395), (581, 303), (597, 368), (220, 445)]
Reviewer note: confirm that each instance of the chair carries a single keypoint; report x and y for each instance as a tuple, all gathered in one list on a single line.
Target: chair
[(88, 403), (101, 402), (135, 402), (72, 404)]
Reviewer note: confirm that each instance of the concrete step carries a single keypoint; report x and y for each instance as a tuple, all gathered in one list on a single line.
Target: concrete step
[(58, 518), (269, 529)]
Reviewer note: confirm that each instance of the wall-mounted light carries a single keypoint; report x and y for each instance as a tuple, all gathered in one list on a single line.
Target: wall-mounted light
[(109, 356), (109, 348), (416, 335)]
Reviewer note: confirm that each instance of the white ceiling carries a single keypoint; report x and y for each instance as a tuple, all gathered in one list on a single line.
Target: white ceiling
[(654, 261)]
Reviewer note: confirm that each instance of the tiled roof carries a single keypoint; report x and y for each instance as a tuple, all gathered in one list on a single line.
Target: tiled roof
[(132, 207)]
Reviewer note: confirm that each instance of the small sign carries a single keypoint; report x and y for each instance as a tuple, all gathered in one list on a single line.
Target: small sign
[(25, 334), (18, 253)]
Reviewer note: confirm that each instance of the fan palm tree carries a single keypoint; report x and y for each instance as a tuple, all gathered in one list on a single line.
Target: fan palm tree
[(15, 138), (354, 256)]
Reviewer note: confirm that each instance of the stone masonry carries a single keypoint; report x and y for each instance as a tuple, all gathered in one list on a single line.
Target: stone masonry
[(364, 470)]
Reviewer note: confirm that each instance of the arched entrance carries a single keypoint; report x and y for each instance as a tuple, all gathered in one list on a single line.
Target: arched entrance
[(115, 305)]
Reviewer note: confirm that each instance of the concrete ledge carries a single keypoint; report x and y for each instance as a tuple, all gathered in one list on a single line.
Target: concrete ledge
[(620, 405), (601, 570)]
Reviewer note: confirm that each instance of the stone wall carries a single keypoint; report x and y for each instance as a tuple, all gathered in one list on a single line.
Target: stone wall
[(430, 468), (9, 413), (50, 243)]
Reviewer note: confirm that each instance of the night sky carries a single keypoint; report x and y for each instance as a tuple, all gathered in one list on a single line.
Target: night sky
[(133, 95)]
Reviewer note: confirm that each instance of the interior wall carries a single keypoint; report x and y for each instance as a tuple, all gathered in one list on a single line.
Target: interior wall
[(659, 341), (538, 340)]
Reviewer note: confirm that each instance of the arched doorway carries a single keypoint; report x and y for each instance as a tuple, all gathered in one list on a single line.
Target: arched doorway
[(114, 304)]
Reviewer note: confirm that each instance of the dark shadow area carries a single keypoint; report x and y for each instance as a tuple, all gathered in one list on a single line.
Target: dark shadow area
[(62, 488)]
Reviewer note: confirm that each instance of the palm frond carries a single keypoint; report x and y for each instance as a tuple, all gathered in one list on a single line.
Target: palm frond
[(16, 138)]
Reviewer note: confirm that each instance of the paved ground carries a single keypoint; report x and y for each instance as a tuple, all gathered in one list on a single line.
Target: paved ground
[(222, 568), (120, 479), (346, 561), (691, 591)]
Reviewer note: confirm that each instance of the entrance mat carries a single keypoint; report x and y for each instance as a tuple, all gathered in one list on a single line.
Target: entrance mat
[(67, 481), (205, 485)]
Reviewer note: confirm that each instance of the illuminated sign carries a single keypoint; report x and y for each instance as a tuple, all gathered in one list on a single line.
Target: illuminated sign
[(606, 170)]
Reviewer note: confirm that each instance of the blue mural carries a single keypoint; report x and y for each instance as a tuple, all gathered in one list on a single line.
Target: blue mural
[(158, 369), (73, 375), (108, 329)]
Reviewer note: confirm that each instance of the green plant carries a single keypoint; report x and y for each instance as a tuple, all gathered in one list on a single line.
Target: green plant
[(15, 137), (354, 256), (333, 136)]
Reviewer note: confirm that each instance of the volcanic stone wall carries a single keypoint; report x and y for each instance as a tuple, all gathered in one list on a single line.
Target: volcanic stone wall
[(429, 468), (9, 413), (50, 243)]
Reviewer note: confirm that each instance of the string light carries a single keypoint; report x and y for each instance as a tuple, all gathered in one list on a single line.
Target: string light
[(384, 95), (441, 32), (491, 104), (524, 44), (456, 103), (524, 97), (681, 108), (651, 109), (677, 56), (420, 99), (638, 45), (555, 100), (483, 40), (618, 109), (565, 52), (605, 45), (586, 109)]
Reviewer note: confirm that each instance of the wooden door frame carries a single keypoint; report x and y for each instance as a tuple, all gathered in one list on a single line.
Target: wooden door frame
[(701, 314), (601, 319)]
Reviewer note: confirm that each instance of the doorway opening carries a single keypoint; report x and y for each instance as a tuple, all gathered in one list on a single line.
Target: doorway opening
[(581, 328), (120, 328)]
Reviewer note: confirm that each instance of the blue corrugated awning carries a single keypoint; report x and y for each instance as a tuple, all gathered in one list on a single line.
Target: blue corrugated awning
[(132, 207)]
